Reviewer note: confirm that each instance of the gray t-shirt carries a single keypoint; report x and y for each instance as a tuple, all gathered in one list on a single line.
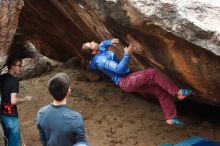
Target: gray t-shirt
[(60, 126)]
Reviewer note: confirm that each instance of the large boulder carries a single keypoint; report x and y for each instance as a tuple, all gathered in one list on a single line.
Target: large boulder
[(9, 15), (179, 37), (34, 64)]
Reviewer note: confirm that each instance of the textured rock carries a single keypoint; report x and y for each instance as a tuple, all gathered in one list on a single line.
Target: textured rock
[(33, 67), (196, 21), (9, 14), (173, 35), (2, 141)]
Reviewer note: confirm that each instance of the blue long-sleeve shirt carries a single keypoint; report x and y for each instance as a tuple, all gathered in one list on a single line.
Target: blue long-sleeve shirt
[(60, 126), (108, 63)]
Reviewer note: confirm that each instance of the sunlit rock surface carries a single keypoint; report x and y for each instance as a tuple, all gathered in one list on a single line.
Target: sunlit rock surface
[(178, 36)]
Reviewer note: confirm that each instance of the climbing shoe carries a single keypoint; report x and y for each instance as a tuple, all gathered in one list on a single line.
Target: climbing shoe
[(183, 93), (174, 121)]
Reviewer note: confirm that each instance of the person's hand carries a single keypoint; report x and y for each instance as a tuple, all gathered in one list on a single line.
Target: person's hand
[(115, 41), (129, 50), (28, 98)]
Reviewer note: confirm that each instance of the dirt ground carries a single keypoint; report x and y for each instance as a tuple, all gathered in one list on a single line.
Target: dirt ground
[(114, 118)]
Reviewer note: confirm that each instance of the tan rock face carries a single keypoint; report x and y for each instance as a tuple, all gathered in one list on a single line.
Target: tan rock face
[(58, 28), (164, 35), (9, 14)]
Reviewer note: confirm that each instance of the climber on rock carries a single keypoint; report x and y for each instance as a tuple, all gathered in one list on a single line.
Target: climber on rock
[(150, 80)]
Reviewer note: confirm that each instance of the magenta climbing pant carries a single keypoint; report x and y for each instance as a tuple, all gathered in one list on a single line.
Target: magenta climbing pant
[(154, 82)]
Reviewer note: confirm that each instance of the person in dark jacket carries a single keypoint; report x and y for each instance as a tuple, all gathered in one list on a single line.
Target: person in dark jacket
[(58, 125), (150, 80)]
